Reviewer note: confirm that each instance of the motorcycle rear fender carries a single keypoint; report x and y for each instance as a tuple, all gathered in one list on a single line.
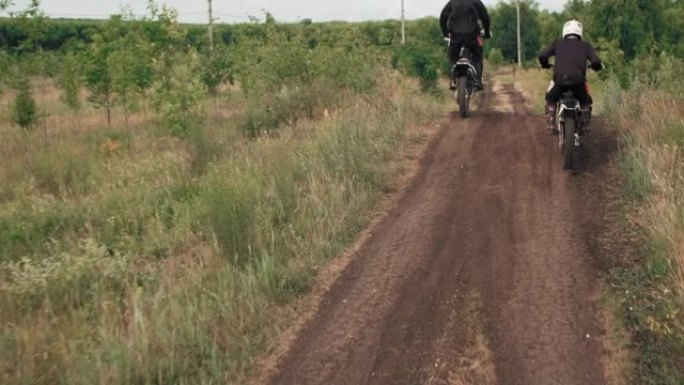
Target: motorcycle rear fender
[(565, 109), (464, 68)]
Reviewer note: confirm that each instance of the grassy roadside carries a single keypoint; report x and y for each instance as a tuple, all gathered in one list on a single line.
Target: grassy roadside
[(132, 257), (649, 283)]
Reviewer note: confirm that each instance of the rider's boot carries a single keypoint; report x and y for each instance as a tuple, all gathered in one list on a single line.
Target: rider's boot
[(586, 118), (550, 113), (478, 82), (452, 84)]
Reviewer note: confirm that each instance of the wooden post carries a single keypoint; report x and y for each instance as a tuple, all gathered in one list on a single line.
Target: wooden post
[(403, 28), (211, 28), (517, 4)]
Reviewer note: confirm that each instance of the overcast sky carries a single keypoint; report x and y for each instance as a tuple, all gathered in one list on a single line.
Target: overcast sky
[(238, 10)]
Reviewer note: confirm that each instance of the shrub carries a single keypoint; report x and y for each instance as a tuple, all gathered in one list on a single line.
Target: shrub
[(420, 61), (495, 57), (25, 110)]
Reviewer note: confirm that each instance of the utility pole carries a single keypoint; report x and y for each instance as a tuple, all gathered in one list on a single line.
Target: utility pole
[(211, 28), (517, 4), (403, 30)]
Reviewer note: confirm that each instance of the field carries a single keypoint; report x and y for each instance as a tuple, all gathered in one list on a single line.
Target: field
[(167, 205)]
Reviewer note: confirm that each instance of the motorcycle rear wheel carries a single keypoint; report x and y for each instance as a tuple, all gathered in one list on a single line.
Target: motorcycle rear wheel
[(463, 97), (569, 145)]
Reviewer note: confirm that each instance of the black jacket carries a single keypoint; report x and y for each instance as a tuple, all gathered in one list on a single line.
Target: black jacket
[(571, 61), (459, 17)]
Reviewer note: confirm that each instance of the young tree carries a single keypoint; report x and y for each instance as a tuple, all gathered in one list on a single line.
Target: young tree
[(98, 73), (217, 69), (33, 22), (141, 67), (25, 110), (121, 61), (179, 92), (70, 80)]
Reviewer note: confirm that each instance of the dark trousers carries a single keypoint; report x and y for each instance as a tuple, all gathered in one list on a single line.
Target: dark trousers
[(469, 41), (579, 90)]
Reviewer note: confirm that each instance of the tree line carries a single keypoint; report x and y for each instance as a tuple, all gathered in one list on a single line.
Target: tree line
[(125, 59), (636, 27)]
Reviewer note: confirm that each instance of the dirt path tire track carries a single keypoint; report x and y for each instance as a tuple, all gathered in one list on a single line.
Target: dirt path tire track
[(491, 217)]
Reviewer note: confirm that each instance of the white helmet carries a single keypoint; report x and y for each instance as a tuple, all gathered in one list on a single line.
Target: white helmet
[(572, 27)]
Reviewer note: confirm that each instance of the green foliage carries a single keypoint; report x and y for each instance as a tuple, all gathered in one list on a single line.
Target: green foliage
[(673, 41), (266, 114), (99, 77), (25, 109), (637, 25), (120, 58), (663, 72), (5, 66), (70, 80), (577, 9), (610, 53), (284, 79), (33, 21), (550, 25), (217, 68), (179, 92), (420, 61), (495, 57), (504, 22), (230, 213), (121, 63)]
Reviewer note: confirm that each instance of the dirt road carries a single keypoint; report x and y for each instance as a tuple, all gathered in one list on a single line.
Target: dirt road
[(484, 273)]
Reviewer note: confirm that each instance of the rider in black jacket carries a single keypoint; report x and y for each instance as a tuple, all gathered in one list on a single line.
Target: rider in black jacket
[(459, 21), (570, 72)]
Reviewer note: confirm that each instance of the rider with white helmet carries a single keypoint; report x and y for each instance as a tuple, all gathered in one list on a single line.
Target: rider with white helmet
[(570, 72)]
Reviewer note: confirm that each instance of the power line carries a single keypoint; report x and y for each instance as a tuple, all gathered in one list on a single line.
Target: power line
[(232, 16)]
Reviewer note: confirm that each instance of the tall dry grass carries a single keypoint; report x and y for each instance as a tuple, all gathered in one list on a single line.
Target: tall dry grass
[(122, 263), (651, 123)]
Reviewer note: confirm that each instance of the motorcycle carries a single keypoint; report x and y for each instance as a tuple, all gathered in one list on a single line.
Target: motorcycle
[(571, 129), (572, 126), (464, 77)]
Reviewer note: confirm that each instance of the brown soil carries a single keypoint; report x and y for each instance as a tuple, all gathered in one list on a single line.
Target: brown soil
[(485, 272)]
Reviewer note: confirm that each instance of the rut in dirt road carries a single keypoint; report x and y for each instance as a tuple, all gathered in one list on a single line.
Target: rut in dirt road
[(483, 274)]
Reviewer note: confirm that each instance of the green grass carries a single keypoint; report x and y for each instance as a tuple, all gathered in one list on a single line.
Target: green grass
[(131, 256)]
